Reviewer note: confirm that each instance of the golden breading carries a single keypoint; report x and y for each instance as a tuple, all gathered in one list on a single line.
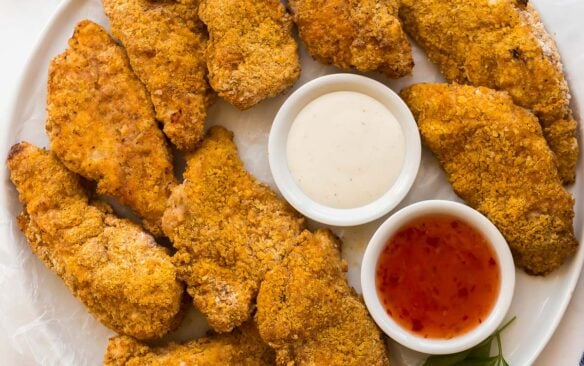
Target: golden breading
[(126, 281), (365, 35), (166, 45), (251, 54), (229, 230), (500, 44), (308, 313), (101, 124), (242, 347), (497, 160)]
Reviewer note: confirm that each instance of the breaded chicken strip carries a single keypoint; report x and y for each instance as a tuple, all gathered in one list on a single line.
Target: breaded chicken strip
[(308, 312), (126, 281), (497, 160), (242, 347), (365, 35), (229, 230), (251, 54), (166, 45), (101, 124), (500, 44)]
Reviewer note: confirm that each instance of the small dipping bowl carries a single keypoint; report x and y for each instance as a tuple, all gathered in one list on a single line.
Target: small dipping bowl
[(278, 158), (476, 221)]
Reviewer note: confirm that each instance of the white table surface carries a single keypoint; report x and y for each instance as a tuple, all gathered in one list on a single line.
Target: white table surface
[(21, 22)]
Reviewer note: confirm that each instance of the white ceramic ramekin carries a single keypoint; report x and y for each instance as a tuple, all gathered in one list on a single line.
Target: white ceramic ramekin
[(378, 243), (279, 161)]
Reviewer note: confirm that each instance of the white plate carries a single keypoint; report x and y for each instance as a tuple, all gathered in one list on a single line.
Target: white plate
[(47, 325)]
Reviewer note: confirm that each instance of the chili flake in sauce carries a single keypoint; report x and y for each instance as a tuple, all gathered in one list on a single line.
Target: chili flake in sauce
[(438, 277)]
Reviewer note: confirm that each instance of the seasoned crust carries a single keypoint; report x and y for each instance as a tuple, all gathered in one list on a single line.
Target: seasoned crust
[(243, 346), (229, 230), (365, 35), (497, 160), (311, 316), (251, 54), (503, 45), (166, 45), (126, 281), (101, 124)]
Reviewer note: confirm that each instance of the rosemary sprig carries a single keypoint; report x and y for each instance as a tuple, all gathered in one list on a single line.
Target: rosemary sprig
[(479, 355)]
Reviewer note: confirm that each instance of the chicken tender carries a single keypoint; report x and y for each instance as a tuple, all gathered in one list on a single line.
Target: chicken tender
[(251, 54), (126, 281), (166, 45), (365, 35), (497, 160), (243, 346), (229, 230), (308, 313), (502, 45), (101, 124)]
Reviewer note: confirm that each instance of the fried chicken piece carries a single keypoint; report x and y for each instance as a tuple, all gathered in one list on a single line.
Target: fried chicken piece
[(355, 34), (229, 230), (243, 346), (307, 311), (101, 124), (503, 45), (251, 54), (497, 160), (126, 281), (166, 45)]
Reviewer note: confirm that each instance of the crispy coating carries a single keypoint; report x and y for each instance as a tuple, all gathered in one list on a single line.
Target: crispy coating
[(242, 347), (355, 34), (166, 45), (497, 160), (126, 281), (229, 230), (308, 312), (500, 44), (101, 124), (251, 54)]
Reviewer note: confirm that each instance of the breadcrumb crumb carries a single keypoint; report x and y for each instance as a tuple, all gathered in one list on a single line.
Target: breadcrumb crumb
[(365, 35), (502, 45), (251, 54), (308, 312), (243, 346), (228, 229), (497, 160), (166, 45), (117, 270), (101, 124)]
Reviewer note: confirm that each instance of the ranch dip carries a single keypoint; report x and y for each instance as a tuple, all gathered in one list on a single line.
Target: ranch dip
[(345, 149)]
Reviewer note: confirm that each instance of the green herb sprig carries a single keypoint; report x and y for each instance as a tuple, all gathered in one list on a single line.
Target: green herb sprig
[(479, 355)]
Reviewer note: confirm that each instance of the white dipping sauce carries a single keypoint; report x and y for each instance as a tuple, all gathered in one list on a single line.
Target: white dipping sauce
[(345, 149)]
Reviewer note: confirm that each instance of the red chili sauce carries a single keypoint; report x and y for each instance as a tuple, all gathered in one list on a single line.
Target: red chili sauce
[(438, 277)]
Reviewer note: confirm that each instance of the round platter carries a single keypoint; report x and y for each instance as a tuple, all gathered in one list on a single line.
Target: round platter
[(46, 325)]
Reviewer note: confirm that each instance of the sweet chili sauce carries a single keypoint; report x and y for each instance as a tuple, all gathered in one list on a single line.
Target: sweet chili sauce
[(438, 277)]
